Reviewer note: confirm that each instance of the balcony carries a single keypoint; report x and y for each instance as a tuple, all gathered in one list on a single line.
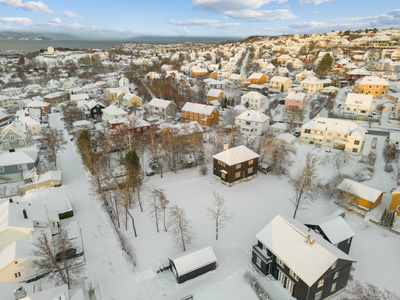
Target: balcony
[(262, 254)]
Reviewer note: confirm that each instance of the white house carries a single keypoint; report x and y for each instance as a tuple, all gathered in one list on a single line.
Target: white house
[(112, 112), (254, 100), (358, 104), (342, 134), (162, 108), (252, 122)]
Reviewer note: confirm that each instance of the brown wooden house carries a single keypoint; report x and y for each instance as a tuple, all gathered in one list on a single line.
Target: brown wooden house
[(235, 165)]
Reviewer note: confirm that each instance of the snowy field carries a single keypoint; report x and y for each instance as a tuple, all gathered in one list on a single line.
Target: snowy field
[(255, 203)]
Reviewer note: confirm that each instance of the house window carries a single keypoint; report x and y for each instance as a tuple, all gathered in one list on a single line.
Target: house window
[(336, 275), (1, 169), (258, 262), (338, 134), (318, 295), (333, 288), (320, 283), (280, 262), (249, 170), (307, 130), (356, 142), (237, 175), (21, 143), (238, 166), (334, 265), (294, 275), (19, 167), (328, 141), (398, 206), (355, 150), (223, 175), (12, 137), (251, 162)]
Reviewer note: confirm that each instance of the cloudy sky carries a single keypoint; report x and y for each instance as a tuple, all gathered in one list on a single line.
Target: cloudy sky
[(237, 18)]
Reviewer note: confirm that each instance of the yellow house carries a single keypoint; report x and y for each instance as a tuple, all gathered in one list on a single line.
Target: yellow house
[(215, 94), (395, 204), (198, 72), (281, 83), (363, 196), (131, 100), (312, 85), (283, 58), (112, 93), (371, 85), (393, 96)]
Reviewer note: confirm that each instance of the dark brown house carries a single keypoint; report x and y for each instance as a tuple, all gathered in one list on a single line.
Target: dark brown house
[(306, 264), (235, 165)]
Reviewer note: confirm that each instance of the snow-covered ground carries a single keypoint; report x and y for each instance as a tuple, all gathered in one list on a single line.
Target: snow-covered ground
[(255, 203)]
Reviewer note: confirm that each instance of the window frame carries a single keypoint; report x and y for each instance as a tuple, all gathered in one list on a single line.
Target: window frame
[(321, 283), (336, 275)]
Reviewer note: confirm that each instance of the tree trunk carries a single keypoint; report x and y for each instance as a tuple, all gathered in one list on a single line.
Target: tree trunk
[(117, 212), (138, 194), (133, 223), (165, 227)]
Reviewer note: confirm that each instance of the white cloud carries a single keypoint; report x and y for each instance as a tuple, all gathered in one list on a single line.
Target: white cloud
[(204, 22), (193, 22), (34, 6), (221, 6), (247, 11), (55, 20), (71, 14), (315, 2), (182, 30), (250, 15), (17, 21), (385, 19)]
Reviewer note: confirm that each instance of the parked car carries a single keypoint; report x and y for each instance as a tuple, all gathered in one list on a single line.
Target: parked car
[(149, 172), (374, 141), (69, 253), (264, 168)]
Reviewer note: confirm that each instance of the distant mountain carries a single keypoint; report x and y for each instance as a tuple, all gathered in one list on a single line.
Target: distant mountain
[(20, 35), (180, 39)]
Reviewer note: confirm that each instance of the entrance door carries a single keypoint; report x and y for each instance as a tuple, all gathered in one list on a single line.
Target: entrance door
[(281, 277)]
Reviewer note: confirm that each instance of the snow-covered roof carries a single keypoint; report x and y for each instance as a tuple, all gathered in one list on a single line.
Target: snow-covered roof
[(335, 228), (78, 97), (351, 128), (37, 103), (287, 239), (112, 110), (394, 136), (193, 260), (254, 95), (256, 76), (236, 155), (11, 214), (359, 72), (356, 188), (50, 175), (198, 108), (312, 80), (372, 80), (253, 116), (18, 158), (279, 79), (287, 137), (296, 96), (214, 93), (93, 103), (362, 100), (159, 102), (81, 123)]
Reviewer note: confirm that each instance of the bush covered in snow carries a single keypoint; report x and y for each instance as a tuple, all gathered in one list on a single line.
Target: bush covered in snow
[(388, 167), (363, 174), (203, 170), (258, 289)]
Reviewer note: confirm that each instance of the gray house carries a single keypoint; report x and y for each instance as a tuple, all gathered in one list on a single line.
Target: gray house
[(162, 108), (16, 135), (14, 164)]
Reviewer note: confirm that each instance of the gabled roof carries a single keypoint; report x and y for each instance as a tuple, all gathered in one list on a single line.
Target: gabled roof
[(287, 239), (254, 95), (312, 80), (279, 79), (236, 155), (335, 228), (348, 127), (93, 103), (112, 110), (214, 93), (372, 80), (356, 188), (256, 76), (296, 96), (18, 158), (193, 260), (198, 108), (159, 102), (253, 116), (362, 100)]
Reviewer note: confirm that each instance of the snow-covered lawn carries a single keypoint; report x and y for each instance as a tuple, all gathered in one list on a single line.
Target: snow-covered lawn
[(255, 203)]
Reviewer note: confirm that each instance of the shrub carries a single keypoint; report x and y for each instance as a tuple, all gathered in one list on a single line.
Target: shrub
[(388, 168), (203, 170), (258, 289)]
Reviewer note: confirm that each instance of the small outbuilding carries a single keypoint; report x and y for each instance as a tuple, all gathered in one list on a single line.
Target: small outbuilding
[(192, 264)]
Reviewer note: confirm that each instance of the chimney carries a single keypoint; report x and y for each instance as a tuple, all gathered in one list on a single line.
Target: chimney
[(310, 240), (207, 104), (10, 200), (380, 76), (296, 92), (25, 214), (193, 102)]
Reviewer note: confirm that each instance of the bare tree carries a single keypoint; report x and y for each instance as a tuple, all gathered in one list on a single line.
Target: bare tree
[(293, 117), (304, 184), (180, 227), (154, 206), (54, 141), (340, 158), (219, 213), (162, 203), (55, 261), (359, 291)]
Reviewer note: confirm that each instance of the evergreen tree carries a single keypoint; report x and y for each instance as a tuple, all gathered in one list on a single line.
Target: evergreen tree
[(383, 218), (21, 60), (391, 218)]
